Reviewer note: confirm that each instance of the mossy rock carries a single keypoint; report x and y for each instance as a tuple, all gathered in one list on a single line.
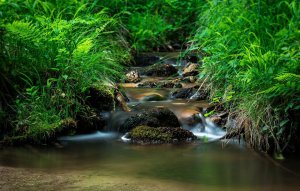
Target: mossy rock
[(100, 98), (154, 117), (160, 135)]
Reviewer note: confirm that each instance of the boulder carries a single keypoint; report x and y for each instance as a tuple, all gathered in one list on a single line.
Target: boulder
[(189, 93), (90, 121), (133, 76), (153, 117), (159, 70), (100, 99), (160, 135), (190, 70)]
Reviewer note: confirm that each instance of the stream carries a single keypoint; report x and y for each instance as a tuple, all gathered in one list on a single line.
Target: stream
[(102, 161)]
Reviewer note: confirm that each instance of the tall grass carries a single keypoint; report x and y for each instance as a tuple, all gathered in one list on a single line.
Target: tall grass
[(154, 24), (53, 51), (254, 65)]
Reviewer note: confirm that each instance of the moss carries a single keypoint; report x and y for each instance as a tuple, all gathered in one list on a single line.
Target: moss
[(101, 98), (151, 135)]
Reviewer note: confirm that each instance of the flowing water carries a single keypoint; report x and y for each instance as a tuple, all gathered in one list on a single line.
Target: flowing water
[(101, 161)]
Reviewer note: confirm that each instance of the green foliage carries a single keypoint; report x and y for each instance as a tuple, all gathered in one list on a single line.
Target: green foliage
[(53, 51), (156, 23), (254, 47), (148, 31)]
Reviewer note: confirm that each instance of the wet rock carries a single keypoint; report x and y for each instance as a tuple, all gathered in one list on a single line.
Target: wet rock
[(193, 58), (160, 135), (154, 97), (170, 85), (190, 70), (189, 93), (160, 84), (145, 59), (148, 84), (219, 115), (100, 99), (183, 93), (190, 79), (215, 119), (154, 117), (199, 95), (89, 121), (193, 79), (159, 70), (133, 76)]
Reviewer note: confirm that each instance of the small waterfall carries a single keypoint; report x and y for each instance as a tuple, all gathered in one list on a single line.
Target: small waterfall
[(206, 129)]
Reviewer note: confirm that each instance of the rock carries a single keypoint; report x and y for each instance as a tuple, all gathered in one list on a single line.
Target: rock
[(184, 93), (160, 135), (148, 84), (193, 58), (154, 117), (145, 59), (189, 93), (160, 84), (215, 119), (190, 70), (133, 76), (100, 99), (171, 85), (153, 97), (159, 70), (89, 121), (199, 95), (193, 79), (190, 79)]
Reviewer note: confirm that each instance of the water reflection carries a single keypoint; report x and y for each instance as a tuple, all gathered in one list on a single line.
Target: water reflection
[(212, 165)]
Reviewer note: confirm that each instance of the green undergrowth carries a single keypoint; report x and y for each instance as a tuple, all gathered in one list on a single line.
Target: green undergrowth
[(154, 24), (253, 66), (52, 52)]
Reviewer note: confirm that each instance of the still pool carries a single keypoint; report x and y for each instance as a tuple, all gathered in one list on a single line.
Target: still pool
[(102, 162)]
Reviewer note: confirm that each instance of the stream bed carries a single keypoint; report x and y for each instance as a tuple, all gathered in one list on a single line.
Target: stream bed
[(102, 161)]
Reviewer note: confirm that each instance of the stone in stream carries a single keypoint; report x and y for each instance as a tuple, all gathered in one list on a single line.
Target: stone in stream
[(154, 97), (160, 135), (159, 70), (160, 84), (191, 69), (190, 93), (133, 76), (99, 99), (154, 117)]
